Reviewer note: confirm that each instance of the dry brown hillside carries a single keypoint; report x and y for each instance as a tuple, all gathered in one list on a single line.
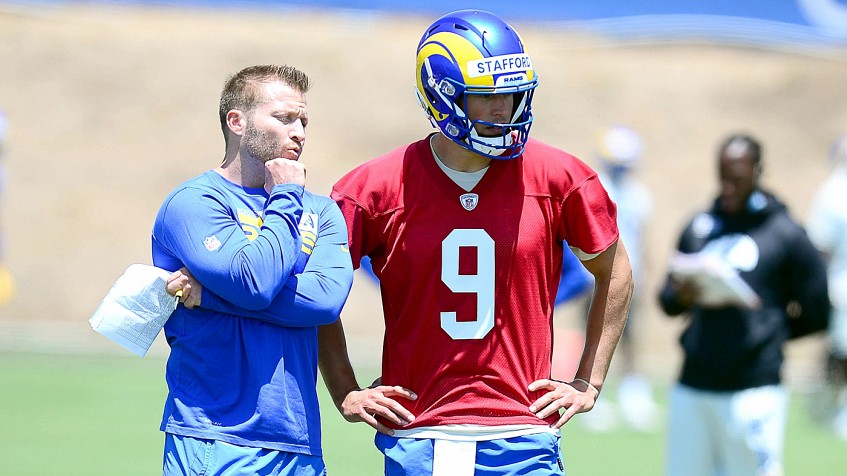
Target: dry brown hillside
[(110, 108)]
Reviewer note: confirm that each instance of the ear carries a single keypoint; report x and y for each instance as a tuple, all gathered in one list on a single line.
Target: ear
[(236, 121)]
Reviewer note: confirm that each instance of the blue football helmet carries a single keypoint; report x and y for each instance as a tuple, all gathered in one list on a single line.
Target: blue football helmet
[(475, 52)]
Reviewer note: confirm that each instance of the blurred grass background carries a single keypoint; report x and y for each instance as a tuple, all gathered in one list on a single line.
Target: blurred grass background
[(87, 415)]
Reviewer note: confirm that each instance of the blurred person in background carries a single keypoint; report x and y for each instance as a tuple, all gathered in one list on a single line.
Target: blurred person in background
[(4, 131), (7, 283), (261, 262), (465, 230), (828, 231), (728, 411), (619, 152)]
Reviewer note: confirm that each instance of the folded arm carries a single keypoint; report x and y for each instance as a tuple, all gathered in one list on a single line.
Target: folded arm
[(312, 297), (196, 229)]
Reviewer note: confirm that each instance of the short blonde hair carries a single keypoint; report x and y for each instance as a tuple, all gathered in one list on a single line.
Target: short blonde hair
[(242, 90)]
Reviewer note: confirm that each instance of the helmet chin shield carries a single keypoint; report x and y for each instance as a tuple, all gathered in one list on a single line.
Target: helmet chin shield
[(474, 52)]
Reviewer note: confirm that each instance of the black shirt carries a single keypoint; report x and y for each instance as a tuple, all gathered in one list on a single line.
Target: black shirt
[(731, 348)]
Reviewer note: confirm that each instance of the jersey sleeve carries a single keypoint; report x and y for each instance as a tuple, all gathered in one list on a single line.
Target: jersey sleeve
[(315, 296), (198, 229), (355, 215), (590, 225)]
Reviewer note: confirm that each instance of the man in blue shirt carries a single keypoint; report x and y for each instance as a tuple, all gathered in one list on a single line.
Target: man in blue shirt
[(260, 263)]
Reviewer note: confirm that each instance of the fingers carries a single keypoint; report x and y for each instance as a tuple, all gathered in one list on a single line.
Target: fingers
[(392, 410), (179, 284), (560, 396), (185, 293), (397, 391), (191, 296), (565, 417), (372, 421), (176, 282), (280, 170), (374, 404), (539, 384), (382, 406)]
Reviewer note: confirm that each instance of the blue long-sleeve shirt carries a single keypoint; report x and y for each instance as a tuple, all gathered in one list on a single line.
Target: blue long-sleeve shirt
[(243, 365)]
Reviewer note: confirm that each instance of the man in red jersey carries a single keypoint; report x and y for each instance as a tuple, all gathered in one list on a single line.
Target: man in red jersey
[(464, 229)]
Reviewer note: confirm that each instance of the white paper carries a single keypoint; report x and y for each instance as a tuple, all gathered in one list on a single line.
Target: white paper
[(718, 282), (136, 308)]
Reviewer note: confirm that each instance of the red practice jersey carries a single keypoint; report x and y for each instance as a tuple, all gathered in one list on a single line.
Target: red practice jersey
[(468, 279)]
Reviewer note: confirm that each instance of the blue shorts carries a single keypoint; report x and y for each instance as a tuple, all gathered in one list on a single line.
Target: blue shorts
[(529, 455), (186, 456)]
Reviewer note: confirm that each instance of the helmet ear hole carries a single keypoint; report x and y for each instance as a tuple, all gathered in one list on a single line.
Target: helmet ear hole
[(431, 98)]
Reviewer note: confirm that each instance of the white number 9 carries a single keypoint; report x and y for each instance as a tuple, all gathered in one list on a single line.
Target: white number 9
[(481, 283)]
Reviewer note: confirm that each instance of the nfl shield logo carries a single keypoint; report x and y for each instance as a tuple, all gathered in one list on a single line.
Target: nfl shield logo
[(212, 243), (469, 201)]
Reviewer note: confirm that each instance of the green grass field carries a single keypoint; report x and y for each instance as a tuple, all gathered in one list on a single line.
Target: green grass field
[(92, 416)]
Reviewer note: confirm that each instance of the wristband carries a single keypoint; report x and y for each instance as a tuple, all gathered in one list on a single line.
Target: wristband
[(588, 384)]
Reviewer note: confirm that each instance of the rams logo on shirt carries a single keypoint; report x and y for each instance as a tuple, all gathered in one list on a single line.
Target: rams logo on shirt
[(251, 223), (308, 232)]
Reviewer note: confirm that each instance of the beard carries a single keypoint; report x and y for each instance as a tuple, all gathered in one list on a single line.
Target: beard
[(260, 144)]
